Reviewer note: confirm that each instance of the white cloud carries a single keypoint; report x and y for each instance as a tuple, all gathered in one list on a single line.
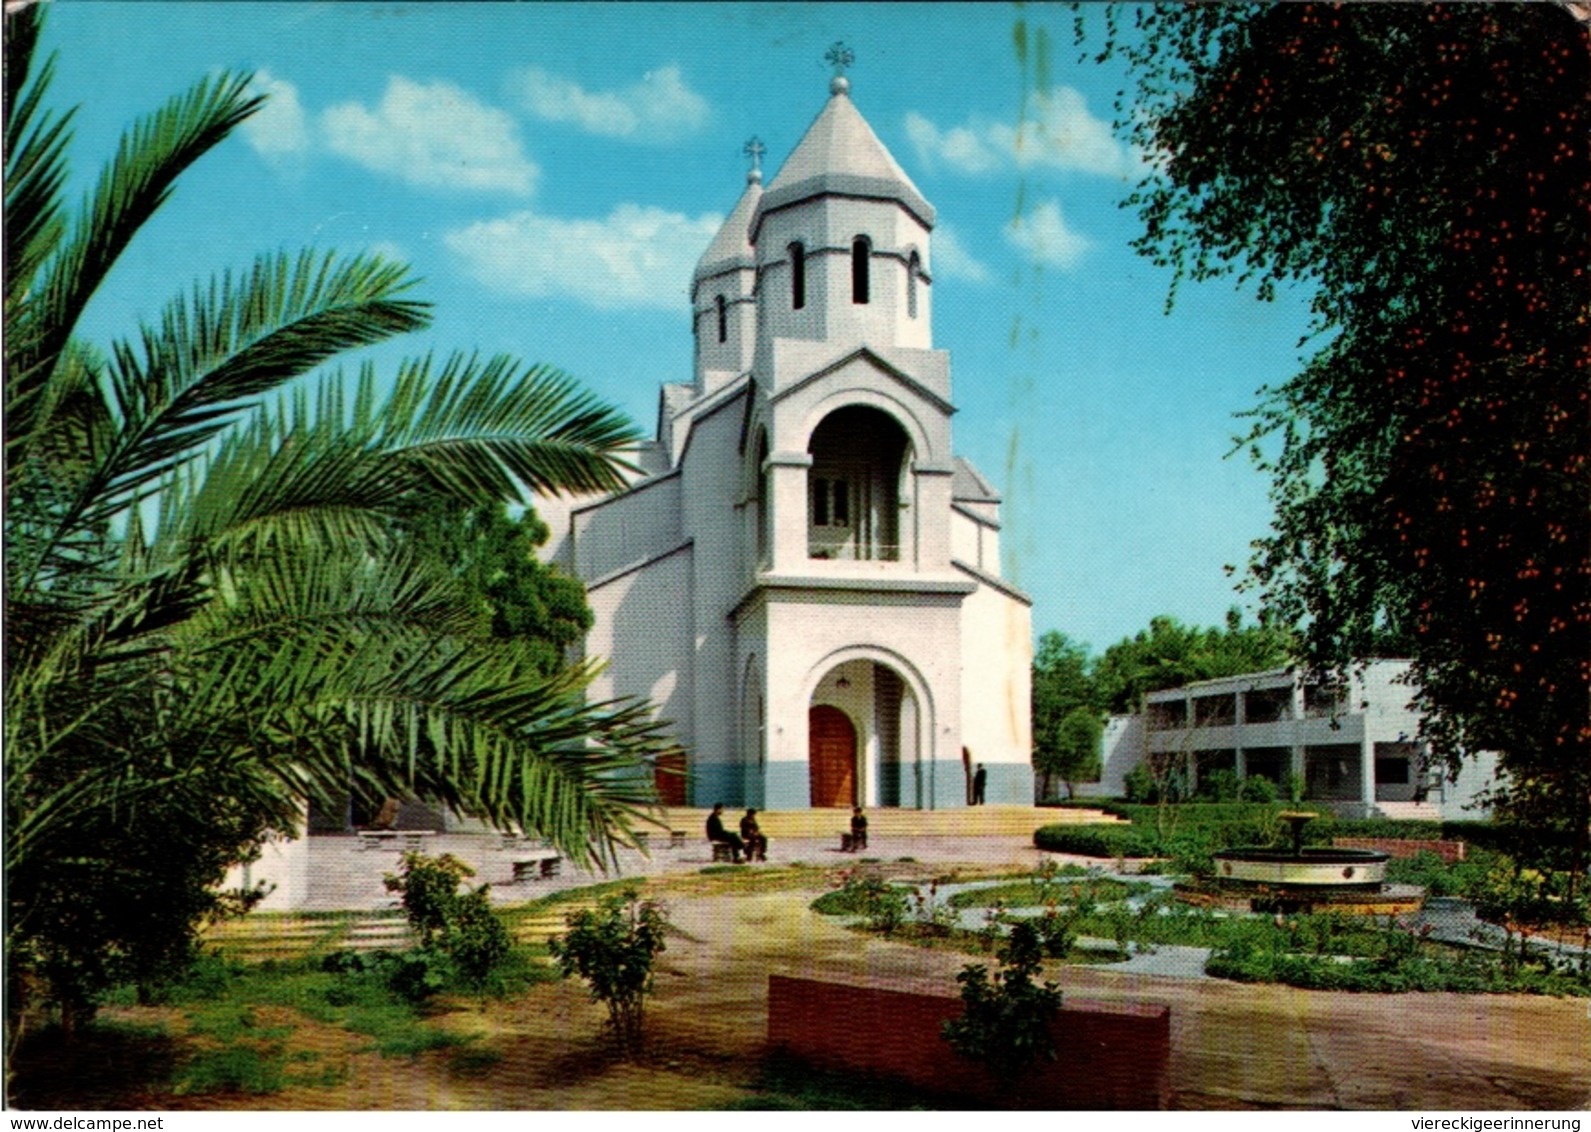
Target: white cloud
[(952, 261), (659, 108), (637, 256), (433, 134), (388, 250), (1042, 235), (961, 147), (278, 128), (1059, 132)]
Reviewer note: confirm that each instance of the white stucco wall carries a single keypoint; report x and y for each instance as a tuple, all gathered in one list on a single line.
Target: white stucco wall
[(284, 866), (628, 529), (996, 668), (642, 629)]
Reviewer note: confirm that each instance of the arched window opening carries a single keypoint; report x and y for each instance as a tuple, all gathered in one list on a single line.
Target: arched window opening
[(861, 261), (723, 320), (914, 267), (798, 275), (854, 486)]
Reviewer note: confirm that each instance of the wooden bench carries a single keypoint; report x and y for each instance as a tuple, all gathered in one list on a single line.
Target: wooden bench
[(404, 840), (676, 839), (723, 851), (850, 842), (540, 866)]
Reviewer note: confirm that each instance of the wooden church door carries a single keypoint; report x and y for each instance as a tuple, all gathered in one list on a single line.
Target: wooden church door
[(831, 749)]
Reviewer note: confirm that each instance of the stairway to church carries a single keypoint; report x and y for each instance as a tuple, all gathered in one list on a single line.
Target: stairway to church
[(972, 821)]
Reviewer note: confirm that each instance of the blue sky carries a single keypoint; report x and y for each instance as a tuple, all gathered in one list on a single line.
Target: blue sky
[(486, 143)]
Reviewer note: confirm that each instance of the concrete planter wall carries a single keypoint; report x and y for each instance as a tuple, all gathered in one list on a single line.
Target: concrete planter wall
[(1108, 1055)]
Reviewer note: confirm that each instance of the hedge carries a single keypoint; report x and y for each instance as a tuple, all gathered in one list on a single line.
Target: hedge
[(1115, 840)]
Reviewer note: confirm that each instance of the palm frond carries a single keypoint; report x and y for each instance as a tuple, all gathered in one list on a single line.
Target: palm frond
[(137, 181), (478, 427), (212, 358), (35, 172)]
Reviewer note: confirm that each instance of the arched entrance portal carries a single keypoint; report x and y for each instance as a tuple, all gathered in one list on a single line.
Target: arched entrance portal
[(831, 750), (864, 728)]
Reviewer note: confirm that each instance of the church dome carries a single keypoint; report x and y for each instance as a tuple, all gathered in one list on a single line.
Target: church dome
[(840, 154), (731, 248)]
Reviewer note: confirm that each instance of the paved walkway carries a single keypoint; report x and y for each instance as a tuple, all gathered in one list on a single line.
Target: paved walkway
[(345, 876)]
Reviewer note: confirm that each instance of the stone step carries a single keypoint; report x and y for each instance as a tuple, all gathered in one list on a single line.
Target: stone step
[(967, 821), (1409, 811)]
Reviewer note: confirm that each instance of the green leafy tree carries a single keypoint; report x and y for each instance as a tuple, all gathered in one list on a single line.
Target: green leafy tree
[(613, 947), (1425, 172), (1062, 684), (1074, 750), (212, 609), (1170, 654), (495, 557)]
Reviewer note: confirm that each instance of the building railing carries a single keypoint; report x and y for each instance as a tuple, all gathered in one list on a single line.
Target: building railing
[(846, 552)]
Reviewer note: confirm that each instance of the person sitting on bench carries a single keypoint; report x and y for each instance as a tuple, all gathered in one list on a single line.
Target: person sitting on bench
[(718, 835), (751, 834), (858, 829)]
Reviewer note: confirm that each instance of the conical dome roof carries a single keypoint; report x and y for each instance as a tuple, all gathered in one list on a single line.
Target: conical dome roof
[(841, 154), (731, 248)]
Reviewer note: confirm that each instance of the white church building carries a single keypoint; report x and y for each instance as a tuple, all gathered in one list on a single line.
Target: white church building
[(806, 579)]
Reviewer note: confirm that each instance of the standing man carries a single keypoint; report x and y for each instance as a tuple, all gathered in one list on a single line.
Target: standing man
[(980, 781), (716, 832)]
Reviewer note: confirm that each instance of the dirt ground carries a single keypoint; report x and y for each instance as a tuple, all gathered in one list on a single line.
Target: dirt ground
[(1233, 1046)]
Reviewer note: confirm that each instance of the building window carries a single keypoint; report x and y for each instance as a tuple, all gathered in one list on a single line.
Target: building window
[(861, 261), (831, 503), (798, 276), (723, 320), (914, 267), (1166, 715)]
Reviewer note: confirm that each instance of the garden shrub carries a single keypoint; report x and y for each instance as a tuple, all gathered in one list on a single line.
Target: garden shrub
[(1005, 1021), (1257, 788), (613, 948), (460, 935), (1095, 840), (1141, 785), (866, 894), (1220, 785)]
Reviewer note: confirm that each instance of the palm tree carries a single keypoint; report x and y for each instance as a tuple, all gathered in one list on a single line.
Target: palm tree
[(212, 613)]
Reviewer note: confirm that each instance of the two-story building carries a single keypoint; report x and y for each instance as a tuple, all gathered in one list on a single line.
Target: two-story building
[(1354, 745)]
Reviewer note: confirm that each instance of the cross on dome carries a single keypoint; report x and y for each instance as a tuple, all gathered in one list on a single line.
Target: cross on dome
[(754, 149), (841, 58)]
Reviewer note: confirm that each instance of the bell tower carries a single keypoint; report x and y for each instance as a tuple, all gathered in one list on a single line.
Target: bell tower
[(842, 238), (723, 289)]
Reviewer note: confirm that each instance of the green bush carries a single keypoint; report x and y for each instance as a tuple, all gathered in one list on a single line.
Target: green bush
[(1095, 840), (1005, 1021), (1220, 785), (1140, 785), (460, 936), (1257, 788), (866, 894), (613, 948)]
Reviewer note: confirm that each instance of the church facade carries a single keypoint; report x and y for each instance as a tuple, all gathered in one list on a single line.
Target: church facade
[(806, 579)]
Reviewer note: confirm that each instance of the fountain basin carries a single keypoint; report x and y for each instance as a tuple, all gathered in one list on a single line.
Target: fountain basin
[(1326, 868)]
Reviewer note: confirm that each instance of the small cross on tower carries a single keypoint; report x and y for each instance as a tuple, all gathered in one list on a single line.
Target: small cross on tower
[(754, 149), (840, 57)]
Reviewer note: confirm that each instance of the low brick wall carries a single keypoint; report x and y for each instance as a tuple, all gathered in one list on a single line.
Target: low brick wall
[(1449, 851), (1108, 1055)]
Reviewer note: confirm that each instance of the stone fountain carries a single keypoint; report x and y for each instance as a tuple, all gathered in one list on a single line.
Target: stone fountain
[(1303, 880)]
